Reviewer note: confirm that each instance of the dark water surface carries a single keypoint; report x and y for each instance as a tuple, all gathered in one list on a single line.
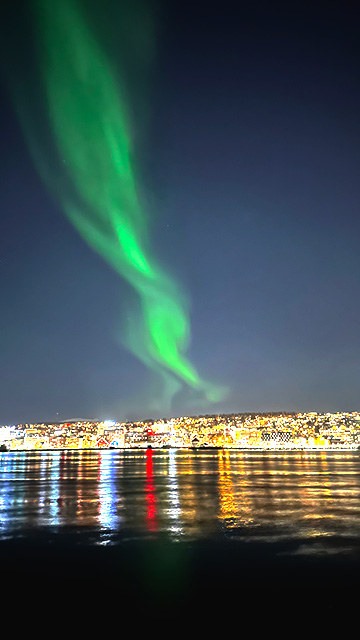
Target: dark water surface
[(174, 521)]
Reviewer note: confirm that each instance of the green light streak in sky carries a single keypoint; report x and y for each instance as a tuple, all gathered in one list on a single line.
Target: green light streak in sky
[(91, 125)]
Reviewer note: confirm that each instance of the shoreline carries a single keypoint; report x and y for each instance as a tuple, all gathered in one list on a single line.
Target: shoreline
[(205, 448)]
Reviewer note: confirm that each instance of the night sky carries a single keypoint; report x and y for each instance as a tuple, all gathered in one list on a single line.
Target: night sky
[(250, 155)]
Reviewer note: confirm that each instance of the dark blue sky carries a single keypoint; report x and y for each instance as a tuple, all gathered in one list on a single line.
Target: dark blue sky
[(251, 166)]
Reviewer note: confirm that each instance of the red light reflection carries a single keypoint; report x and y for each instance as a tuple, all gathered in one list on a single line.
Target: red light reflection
[(150, 493)]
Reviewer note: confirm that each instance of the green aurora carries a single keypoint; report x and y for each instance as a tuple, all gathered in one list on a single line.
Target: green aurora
[(90, 120)]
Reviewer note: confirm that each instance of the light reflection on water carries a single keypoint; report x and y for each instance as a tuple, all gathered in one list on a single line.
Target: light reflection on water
[(183, 494)]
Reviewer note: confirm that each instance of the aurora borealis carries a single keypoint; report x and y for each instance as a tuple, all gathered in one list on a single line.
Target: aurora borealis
[(91, 124), (179, 209)]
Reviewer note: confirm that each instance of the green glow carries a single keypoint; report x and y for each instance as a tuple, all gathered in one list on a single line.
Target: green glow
[(91, 124)]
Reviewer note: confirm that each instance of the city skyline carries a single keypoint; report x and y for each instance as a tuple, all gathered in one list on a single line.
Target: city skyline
[(247, 431)]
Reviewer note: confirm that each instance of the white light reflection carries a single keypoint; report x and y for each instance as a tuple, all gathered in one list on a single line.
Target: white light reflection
[(108, 517), (5, 520), (44, 463), (174, 511), (54, 488)]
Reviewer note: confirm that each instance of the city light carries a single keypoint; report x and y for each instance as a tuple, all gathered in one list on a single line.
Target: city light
[(267, 431)]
